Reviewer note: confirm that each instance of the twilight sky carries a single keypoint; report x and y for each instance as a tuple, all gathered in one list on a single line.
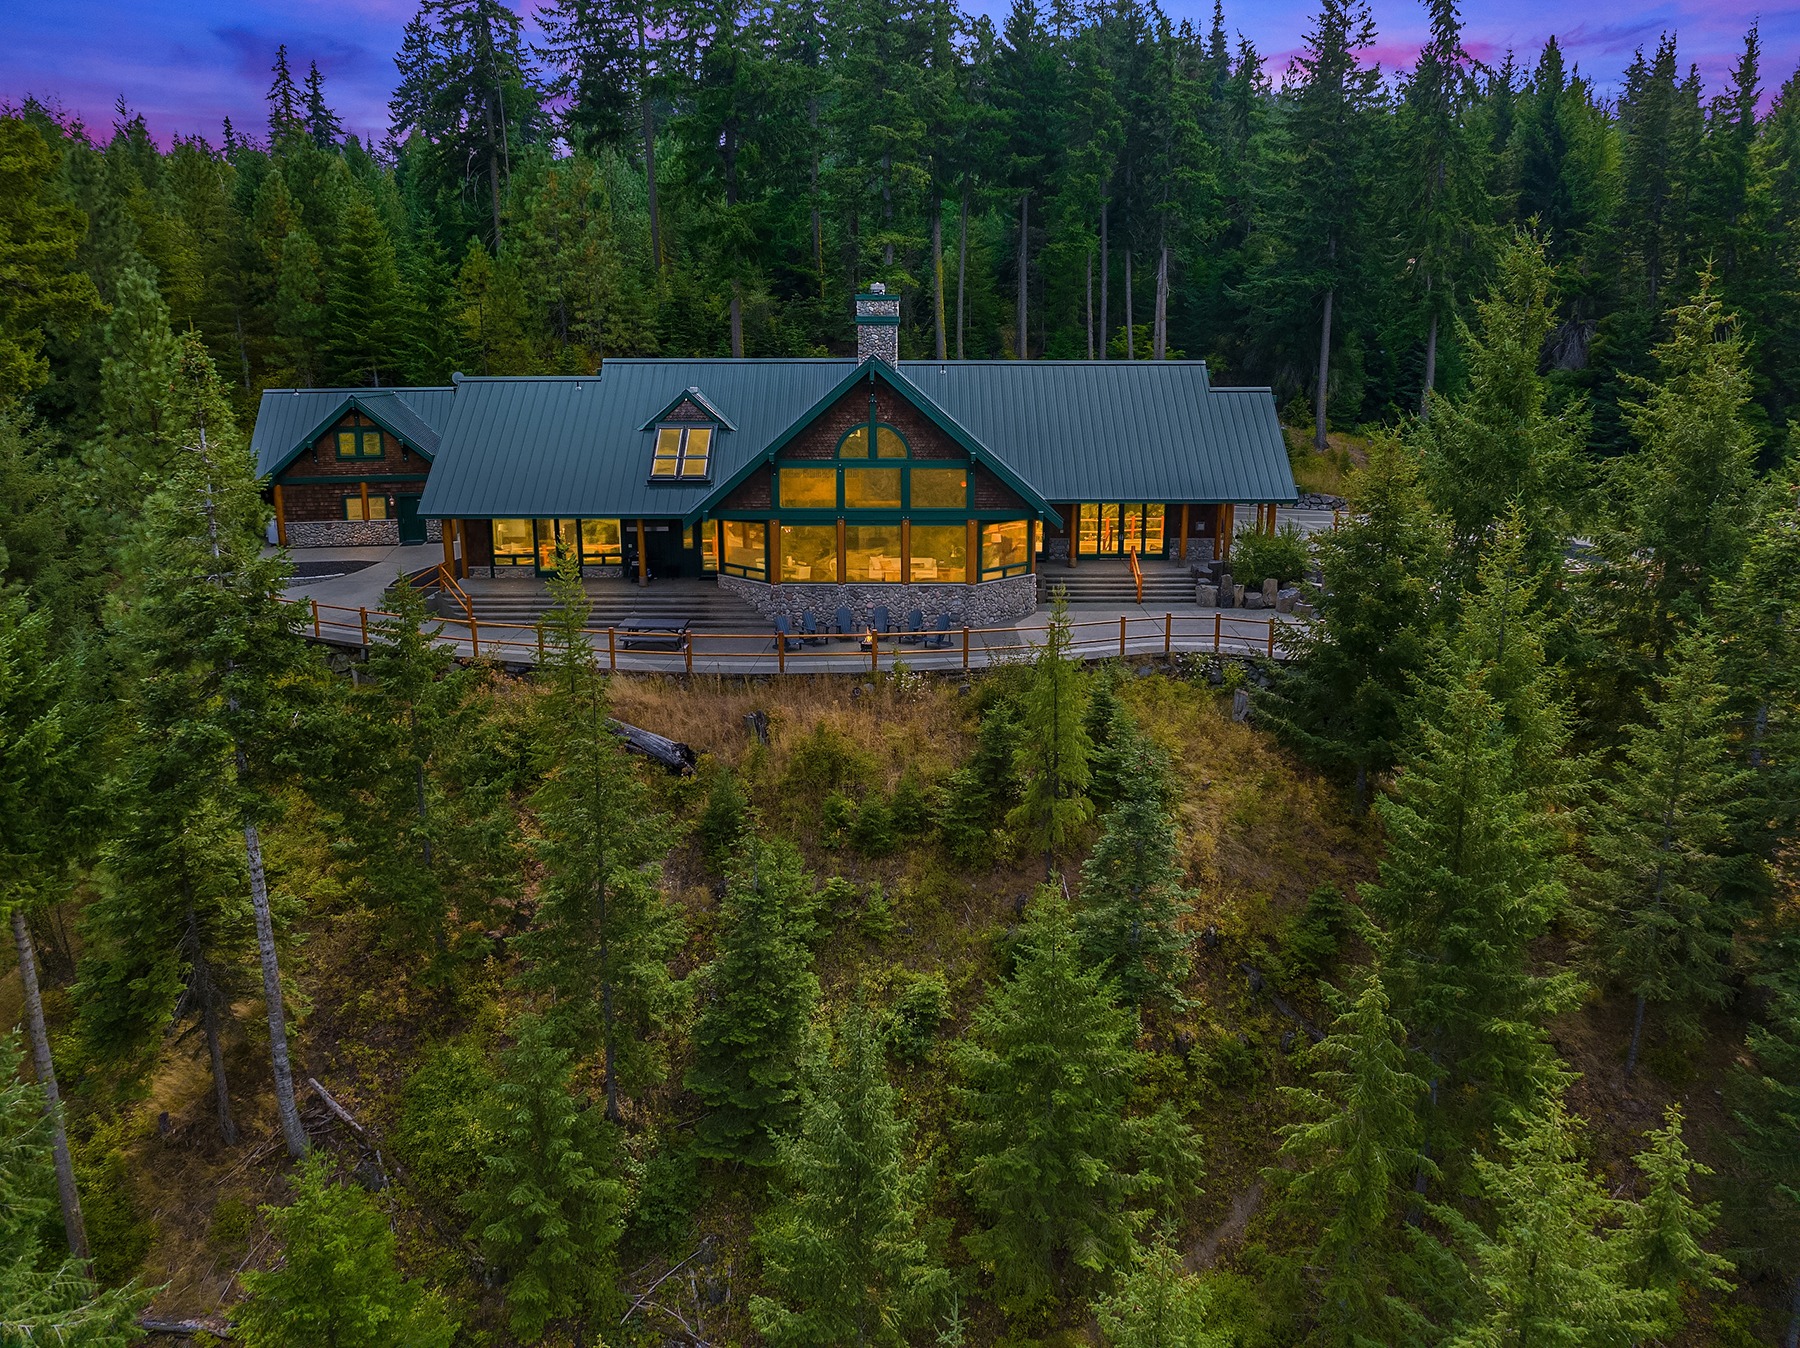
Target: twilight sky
[(185, 64)]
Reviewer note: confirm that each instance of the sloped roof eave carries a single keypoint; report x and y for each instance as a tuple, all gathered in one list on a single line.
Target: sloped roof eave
[(361, 403)]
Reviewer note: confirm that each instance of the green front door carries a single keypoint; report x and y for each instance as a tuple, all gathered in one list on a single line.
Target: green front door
[(406, 514)]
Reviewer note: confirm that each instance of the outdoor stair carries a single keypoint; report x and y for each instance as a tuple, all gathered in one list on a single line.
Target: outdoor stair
[(703, 604), (1110, 583)]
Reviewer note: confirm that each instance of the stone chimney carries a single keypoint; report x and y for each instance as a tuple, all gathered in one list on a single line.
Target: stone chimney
[(878, 325)]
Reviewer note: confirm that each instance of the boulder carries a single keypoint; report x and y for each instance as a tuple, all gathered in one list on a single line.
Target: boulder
[(1254, 599), (1269, 588), (1284, 603), (1237, 596), (1207, 596), (1226, 595), (1302, 609)]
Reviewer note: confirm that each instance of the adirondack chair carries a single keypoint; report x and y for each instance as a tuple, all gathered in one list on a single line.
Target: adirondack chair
[(846, 625), (940, 639), (809, 627), (915, 628), (784, 631), (878, 623)]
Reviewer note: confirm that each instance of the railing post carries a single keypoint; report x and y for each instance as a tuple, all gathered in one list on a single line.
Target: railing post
[(1218, 624), (687, 648), (1121, 636), (965, 647), (612, 649), (474, 638), (780, 653), (540, 637), (1271, 638), (874, 651), (315, 609), (363, 614), (1168, 635)]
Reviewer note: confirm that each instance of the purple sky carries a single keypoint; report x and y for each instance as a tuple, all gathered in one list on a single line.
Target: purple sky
[(185, 64)]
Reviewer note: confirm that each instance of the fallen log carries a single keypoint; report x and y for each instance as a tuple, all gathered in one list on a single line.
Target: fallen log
[(218, 1329), (677, 757)]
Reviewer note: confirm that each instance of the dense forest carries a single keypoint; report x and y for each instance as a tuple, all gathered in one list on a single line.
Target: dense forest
[(1444, 991)]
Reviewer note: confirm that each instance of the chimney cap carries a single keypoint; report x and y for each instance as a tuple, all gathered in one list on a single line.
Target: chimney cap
[(877, 288)]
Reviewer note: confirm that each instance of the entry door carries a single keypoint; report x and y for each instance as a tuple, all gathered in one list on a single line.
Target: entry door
[(1111, 529), (673, 550), (406, 513)]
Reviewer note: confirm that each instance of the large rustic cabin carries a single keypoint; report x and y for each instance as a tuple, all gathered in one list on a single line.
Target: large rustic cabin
[(811, 484)]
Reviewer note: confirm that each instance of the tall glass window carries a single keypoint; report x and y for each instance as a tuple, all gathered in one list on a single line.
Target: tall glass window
[(746, 548), (939, 488), (1004, 549), (602, 543), (872, 488), (872, 552), (940, 554), (809, 552), (512, 543), (808, 488)]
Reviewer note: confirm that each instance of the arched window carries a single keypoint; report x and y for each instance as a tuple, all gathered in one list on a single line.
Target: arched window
[(889, 443)]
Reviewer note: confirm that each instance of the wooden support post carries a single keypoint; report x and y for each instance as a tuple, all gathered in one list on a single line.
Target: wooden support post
[(772, 553), (1121, 636), (974, 552), (687, 650), (364, 486), (643, 557), (1218, 624), (280, 518), (462, 549), (1181, 548), (447, 536), (1227, 526), (474, 636), (315, 609), (781, 652), (965, 646), (612, 648), (540, 637), (843, 553), (874, 651), (1271, 638), (1168, 635), (363, 614), (906, 552)]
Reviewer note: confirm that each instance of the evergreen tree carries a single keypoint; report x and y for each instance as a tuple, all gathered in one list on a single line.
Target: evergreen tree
[(1342, 704), (1133, 899), (1111, 736), (548, 1210), (760, 991), (41, 744), (1503, 444), (846, 1253), (1159, 1304), (1346, 1175), (1663, 1230), (337, 1282), (42, 1299), (365, 303), (321, 122), (287, 108), (1765, 1103), (1470, 880), (421, 815), (1659, 912), (604, 933), (1553, 1269), (1046, 1070), (1682, 504), (40, 284), (1053, 744)]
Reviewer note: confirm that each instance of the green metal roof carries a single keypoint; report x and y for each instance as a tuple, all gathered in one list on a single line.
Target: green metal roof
[(1064, 430), (289, 420)]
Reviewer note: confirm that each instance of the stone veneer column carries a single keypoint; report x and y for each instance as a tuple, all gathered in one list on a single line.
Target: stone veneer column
[(878, 325)]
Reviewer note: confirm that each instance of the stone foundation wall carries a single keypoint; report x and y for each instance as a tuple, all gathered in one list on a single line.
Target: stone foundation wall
[(353, 533), (988, 604)]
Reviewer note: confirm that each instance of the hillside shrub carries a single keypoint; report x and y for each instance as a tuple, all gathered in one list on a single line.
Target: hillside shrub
[(1282, 556)]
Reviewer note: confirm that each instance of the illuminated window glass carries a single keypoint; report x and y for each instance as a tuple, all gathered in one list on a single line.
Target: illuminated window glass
[(512, 543), (940, 554), (889, 444), (872, 488), (682, 452), (1004, 548), (939, 488), (362, 442), (602, 542), (709, 547), (353, 508), (872, 552), (809, 552), (746, 548), (809, 488)]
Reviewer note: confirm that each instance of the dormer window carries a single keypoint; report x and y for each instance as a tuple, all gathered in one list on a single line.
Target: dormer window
[(683, 454)]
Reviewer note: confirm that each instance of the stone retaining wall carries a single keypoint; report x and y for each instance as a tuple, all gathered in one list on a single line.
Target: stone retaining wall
[(353, 533), (989, 604)]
